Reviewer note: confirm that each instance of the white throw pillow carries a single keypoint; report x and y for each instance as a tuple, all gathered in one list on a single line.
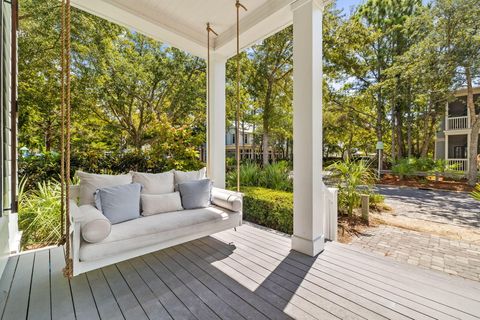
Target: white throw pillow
[(186, 176), (160, 203), (89, 183), (155, 183)]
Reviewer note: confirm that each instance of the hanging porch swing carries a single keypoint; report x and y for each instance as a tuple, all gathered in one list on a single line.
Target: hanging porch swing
[(86, 248)]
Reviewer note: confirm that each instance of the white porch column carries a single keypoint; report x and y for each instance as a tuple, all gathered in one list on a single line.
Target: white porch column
[(216, 129), (308, 189)]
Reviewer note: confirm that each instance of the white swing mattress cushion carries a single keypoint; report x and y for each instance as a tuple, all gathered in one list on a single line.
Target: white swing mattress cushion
[(148, 231)]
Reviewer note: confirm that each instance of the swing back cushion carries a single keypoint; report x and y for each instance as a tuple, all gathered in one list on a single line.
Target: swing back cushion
[(185, 176), (155, 183), (89, 183)]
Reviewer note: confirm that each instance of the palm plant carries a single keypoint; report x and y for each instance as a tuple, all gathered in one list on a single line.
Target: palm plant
[(476, 192), (350, 176), (39, 213)]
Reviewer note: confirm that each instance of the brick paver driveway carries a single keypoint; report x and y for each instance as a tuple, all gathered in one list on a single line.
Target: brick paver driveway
[(456, 208), (425, 250)]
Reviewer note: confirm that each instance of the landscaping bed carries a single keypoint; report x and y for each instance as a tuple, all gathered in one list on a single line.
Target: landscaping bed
[(426, 182)]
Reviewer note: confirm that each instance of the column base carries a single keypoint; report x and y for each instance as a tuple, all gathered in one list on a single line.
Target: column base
[(307, 246)]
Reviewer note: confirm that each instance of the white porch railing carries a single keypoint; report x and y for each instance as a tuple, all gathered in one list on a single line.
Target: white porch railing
[(457, 164), (457, 123), (331, 216)]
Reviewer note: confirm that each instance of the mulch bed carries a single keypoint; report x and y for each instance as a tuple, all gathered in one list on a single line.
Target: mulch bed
[(426, 182), (352, 226)]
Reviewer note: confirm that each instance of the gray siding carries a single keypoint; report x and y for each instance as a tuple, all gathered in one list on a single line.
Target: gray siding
[(5, 132)]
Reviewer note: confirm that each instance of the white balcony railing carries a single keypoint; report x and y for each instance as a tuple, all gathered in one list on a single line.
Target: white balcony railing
[(457, 164), (457, 123)]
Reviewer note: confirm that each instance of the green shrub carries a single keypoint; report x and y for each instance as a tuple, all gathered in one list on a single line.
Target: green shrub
[(37, 168), (273, 176), (269, 208), (408, 166), (276, 176), (404, 167), (249, 176), (349, 176), (39, 214)]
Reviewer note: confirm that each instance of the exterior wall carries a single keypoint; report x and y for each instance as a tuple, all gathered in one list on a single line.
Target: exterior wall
[(5, 125)]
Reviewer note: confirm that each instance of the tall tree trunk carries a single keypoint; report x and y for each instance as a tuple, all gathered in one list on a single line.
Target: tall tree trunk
[(266, 122), (393, 137), (399, 135), (475, 127), (265, 141)]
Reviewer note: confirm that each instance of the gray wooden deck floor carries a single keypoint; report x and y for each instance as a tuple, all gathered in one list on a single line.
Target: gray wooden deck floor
[(248, 274)]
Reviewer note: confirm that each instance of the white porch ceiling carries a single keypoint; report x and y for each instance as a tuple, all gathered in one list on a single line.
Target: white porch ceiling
[(182, 23)]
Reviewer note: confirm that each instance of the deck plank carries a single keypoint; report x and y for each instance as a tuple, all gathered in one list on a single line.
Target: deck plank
[(188, 298), (61, 297), (228, 296), (277, 297), (18, 299), (238, 287), (127, 301), (388, 283), (6, 281), (84, 303), (298, 276), (40, 293), (106, 303), (344, 280), (223, 310), (291, 291), (172, 304), (152, 307)]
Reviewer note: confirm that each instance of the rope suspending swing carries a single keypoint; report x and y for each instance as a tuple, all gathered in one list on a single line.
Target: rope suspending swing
[(238, 5), (65, 139), (209, 138)]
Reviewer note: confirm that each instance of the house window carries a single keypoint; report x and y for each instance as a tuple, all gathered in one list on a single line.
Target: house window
[(233, 138), (245, 138)]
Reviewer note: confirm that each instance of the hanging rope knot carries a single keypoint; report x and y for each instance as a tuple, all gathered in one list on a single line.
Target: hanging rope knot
[(239, 5)]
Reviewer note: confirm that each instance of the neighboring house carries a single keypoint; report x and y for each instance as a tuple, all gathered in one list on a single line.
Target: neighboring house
[(248, 148), (453, 138)]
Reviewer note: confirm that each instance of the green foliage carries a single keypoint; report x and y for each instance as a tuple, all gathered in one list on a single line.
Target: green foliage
[(42, 168), (39, 214), (269, 208), (409, 166), (476, 192), (274, 176), (349, 177), (404, 167)]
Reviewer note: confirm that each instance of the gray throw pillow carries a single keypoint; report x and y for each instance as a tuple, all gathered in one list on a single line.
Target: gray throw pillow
[(195, 194), (119, 203)]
